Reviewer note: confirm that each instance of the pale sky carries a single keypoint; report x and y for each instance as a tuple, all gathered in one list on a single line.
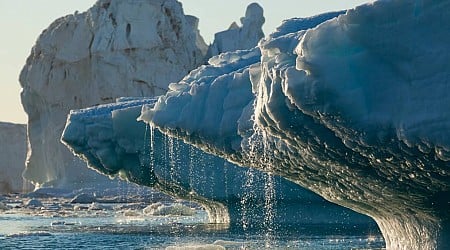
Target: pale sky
[(21, 22)]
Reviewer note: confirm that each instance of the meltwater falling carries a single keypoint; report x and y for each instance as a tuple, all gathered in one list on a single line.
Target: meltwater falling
[(259, 146)]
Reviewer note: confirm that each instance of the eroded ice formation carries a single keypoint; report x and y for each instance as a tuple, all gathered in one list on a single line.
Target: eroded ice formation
[(356, 110), (114, 143), (241, 37), (13, 151), (116, 48)]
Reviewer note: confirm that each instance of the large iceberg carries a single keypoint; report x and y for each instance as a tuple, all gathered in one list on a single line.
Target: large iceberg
[(116, 48), (114, 143), (356, 109), (13, 151)]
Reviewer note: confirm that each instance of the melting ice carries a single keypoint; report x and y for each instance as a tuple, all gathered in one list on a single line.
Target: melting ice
[(355, 109)]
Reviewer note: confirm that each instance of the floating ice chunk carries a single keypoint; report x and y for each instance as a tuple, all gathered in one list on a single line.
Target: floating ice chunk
[(96, 206), (159, 209), (84, 199), (80, 207), (131, 213), (226, 243), (29, 234), (3, 206), (45, 192), (196, 247), (33, 203), (57, 223), (53, 207)]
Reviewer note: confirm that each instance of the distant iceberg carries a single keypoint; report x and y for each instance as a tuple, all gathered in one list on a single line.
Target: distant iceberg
[(240, 37), (114, 49), (13, 151)]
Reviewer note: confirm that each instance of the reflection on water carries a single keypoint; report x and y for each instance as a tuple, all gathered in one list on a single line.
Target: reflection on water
[(110, 223)]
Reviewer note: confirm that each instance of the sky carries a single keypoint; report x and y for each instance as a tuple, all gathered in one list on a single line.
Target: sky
[(21, 22)]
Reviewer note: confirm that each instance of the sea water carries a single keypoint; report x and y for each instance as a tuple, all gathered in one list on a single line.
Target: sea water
[(124, 222)]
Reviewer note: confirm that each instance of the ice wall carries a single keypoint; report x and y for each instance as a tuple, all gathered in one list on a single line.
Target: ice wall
[(241, 37), (355, 110), (114, 143), (116, 48), (12, 157)]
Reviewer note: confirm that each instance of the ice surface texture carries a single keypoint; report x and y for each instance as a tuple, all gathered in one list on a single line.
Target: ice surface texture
[(114, 143), (356, 110)]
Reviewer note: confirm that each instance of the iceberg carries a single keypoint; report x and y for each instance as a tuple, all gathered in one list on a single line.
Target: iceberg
[(114, 49), (355, 109), (114, 143), (111, 140), (12, 157), (240, 37)]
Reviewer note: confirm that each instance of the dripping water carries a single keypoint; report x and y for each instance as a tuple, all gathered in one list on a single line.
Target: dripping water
[(172, 162), (259, 145), (191, 172), (152, 147), (166, 161), (210, 176), (151, 150), (201, 171), (269, 191), (247, 199), (146, 154)]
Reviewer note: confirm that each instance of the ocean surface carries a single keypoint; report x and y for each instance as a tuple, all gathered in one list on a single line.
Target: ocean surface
[(137, 221)]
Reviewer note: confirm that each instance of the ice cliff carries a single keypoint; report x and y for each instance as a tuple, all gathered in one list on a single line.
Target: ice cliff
[(12, 157), (110, 139), (356, 109), (116, 48)]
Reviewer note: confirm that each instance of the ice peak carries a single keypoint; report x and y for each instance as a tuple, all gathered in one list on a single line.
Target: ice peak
[(253, 15), (237, 38)]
